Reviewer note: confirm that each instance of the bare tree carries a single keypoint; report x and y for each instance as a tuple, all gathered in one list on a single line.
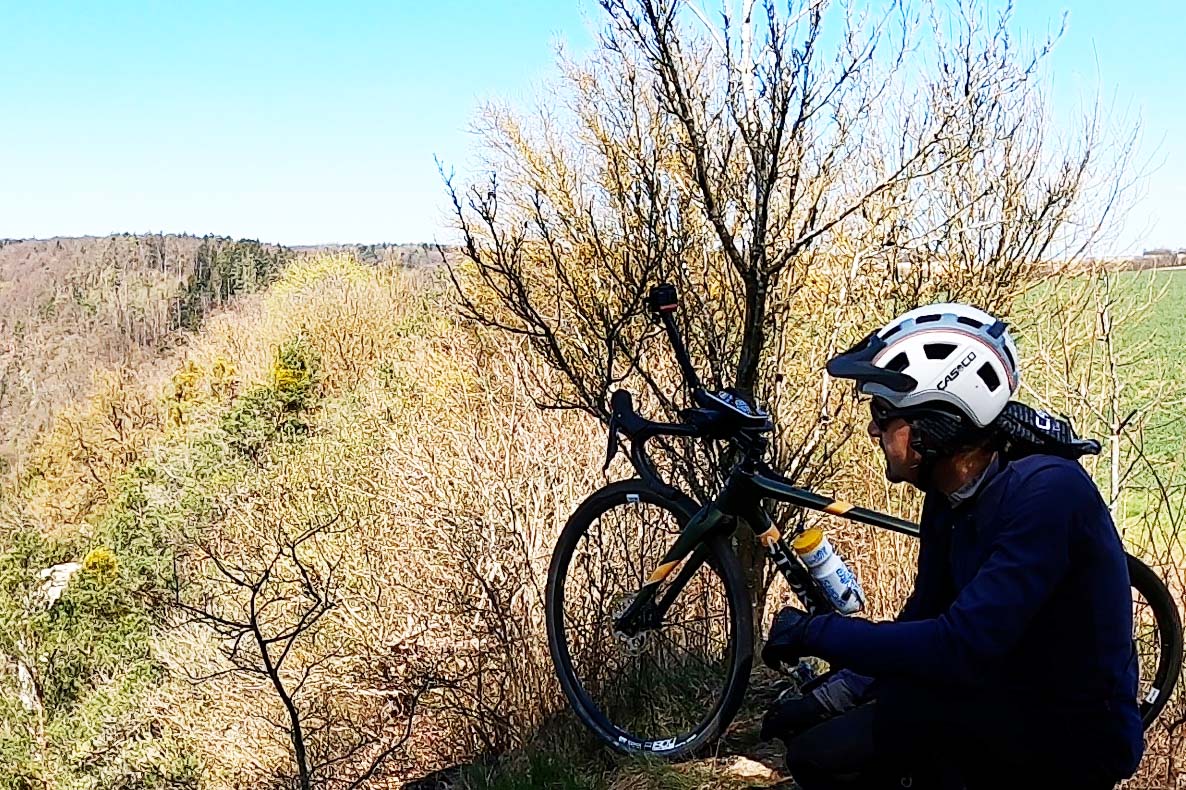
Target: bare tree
[(267, 603), (799, 172)]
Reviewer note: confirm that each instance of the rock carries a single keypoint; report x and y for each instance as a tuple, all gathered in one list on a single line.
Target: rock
[(27, 688), (53, 584), (56, 579), (748, 770)]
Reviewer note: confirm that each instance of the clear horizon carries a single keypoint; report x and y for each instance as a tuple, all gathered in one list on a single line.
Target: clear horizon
[(302, 125)]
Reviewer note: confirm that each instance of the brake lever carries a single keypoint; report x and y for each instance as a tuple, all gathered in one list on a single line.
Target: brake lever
[(611, 449)]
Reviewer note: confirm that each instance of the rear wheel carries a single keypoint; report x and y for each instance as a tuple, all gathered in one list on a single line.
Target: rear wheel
[(671, 689), (1157, 636)]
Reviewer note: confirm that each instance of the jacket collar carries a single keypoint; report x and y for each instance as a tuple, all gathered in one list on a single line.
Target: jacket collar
[(969, 491)]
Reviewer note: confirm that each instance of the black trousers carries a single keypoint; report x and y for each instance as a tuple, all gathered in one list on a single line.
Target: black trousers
[(929, 739)]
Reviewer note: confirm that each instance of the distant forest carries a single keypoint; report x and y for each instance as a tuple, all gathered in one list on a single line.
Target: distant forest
[(71, 306)]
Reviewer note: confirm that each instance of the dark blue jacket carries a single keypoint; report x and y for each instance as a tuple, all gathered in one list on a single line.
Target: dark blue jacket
[(1025, 589)]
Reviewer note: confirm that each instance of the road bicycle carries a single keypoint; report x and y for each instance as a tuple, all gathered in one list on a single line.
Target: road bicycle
[(648, 615)]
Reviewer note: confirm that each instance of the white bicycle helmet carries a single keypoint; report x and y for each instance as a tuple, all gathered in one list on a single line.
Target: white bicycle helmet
[(941, 353)]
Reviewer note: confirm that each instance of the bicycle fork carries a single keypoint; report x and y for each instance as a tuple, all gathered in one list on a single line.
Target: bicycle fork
[(690, 549)]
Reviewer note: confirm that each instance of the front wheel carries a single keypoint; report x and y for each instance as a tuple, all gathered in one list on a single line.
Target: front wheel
[(672, 688)]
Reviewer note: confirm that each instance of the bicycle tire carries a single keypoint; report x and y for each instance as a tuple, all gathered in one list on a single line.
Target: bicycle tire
[(721, 561), (1169, 636)]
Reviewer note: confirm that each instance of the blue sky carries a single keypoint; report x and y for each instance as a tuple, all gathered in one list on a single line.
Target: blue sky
[(301, 122)]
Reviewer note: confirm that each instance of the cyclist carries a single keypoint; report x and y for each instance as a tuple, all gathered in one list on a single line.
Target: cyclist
[(1012, 663)]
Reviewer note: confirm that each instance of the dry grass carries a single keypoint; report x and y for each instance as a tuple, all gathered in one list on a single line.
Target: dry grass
[(455, 488), (449, 488)]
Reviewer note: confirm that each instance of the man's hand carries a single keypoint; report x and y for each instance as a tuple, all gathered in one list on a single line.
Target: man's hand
[(785, 644), (788, 717), (818, 700)]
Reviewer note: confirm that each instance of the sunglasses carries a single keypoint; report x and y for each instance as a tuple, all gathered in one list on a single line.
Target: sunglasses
[(883, 413)]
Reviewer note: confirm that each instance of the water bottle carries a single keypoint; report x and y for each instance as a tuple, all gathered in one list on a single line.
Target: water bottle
[(829, 571)]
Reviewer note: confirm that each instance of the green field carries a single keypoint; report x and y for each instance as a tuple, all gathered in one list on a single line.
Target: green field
[(1150, 346), (1165, 328), (1147, 309), (1166, 322), (1165, 436)]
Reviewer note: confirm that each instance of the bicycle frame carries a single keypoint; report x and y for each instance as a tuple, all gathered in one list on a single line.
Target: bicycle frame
[(740, 499), (750, 481)]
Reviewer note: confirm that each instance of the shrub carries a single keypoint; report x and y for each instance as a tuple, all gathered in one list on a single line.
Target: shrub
[(275, 410)]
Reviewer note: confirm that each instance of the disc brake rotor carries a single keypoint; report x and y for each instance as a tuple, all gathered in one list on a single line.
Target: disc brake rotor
[(631, 645)]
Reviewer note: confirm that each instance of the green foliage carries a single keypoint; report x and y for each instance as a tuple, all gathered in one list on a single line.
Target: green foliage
[(294, 373), (110, 742), (93, 631), (149, 764), (89, 651), (276, 409), (257, 418), (19, 768), (224, 269), (137, 533)]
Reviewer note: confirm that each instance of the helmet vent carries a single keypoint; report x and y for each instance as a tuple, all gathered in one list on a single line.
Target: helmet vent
[(898, 363), (927, 319), (892, 330), (1009, 354), (965, 319), (938, 350), (989, 376)]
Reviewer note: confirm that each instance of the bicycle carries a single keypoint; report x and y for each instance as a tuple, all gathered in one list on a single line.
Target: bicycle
[(692, 673)]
